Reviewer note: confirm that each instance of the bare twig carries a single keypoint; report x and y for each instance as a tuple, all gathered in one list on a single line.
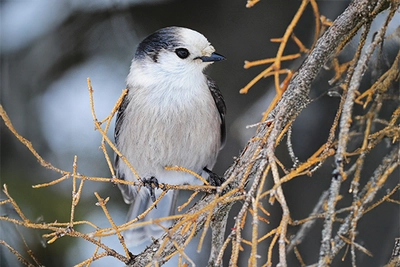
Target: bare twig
[(258, 161)]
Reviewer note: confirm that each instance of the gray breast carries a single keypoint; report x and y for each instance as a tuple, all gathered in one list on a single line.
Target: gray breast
[(171, 129)]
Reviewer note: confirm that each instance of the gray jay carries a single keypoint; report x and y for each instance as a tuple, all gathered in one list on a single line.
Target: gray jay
[(173, 115)]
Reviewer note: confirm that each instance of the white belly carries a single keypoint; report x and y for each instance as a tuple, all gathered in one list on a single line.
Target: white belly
[(182, 129)]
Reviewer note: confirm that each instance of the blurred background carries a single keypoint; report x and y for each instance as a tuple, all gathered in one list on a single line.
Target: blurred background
[(50, 48)]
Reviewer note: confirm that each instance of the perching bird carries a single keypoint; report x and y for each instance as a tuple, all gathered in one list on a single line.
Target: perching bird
[(173, 115)]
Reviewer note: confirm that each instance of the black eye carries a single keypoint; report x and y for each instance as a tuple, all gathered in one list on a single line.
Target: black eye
[(182, 53)]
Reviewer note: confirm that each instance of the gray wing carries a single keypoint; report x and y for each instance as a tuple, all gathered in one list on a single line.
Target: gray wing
[(220, 103), (120, 118), (126, 190)]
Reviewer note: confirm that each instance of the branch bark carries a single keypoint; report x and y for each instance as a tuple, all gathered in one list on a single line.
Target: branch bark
[(263, 144)]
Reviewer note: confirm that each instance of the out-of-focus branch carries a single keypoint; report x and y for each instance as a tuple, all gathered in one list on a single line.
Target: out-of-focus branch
[(258, 162), (293, 101)]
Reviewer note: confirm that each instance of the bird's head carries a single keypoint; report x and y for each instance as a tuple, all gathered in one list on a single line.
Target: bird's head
[(175, 50)]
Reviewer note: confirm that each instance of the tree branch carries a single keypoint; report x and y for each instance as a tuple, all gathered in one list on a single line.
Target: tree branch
[(293, 101)]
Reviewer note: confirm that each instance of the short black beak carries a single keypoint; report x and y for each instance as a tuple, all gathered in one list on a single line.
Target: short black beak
[(213, 57)]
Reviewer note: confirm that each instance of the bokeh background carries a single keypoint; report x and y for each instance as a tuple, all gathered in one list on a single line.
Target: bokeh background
[(49, 48)]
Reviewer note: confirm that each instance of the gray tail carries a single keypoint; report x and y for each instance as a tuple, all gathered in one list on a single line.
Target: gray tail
[(142, 201)]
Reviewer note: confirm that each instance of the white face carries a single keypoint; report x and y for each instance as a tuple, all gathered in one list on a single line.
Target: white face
[(171, 55), (186, 57)]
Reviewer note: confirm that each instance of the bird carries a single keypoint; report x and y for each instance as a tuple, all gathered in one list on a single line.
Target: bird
[(172, 115)]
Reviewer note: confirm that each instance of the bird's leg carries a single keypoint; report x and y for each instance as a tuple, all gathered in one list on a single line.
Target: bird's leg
[(148, 183), (213, 178)]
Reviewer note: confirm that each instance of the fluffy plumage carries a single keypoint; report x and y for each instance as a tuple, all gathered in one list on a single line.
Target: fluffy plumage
[(172, 115)]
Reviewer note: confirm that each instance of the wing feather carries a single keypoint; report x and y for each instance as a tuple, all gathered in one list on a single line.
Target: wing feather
[(126, 190), (220, 103)]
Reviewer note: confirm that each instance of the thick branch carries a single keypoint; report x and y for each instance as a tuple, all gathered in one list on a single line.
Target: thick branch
[(293, 101)]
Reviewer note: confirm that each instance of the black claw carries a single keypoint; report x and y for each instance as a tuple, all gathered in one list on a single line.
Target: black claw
[(213, 178), (148, 183)]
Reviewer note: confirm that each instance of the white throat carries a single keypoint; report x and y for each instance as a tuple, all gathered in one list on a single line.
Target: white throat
[(150, 76)]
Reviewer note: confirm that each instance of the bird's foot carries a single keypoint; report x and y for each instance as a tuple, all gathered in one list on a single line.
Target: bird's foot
[(148, 183)]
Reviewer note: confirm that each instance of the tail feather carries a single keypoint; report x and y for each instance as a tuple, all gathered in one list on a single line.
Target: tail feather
[(141, 203)]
